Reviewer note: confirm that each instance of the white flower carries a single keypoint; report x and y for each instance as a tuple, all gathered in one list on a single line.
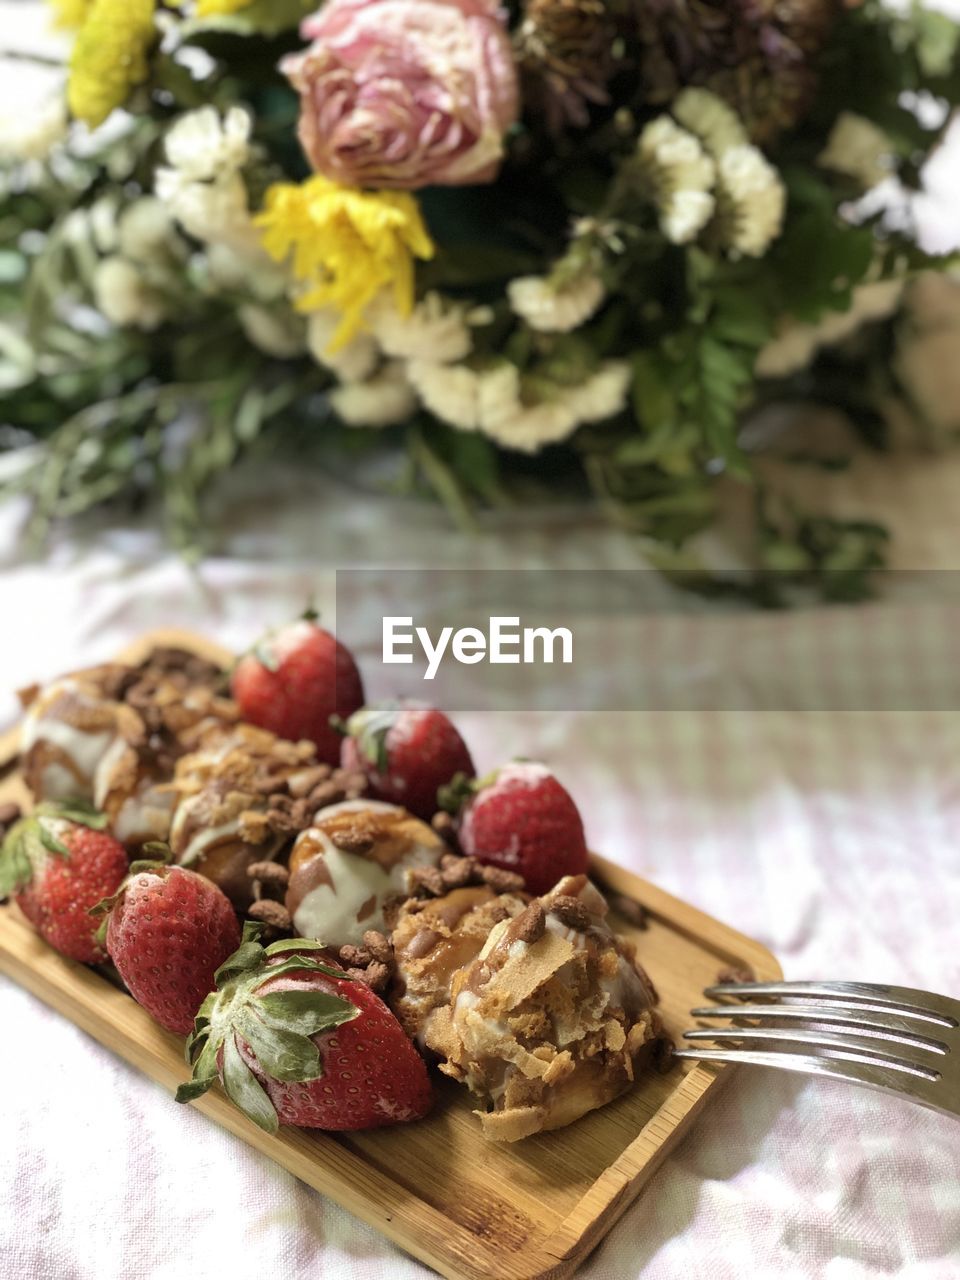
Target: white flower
[(243, 268), (794, 348), (787, 353), (204, 147), (277, 333), (751, 200), (681, 175), (382, 401), (125, 297), (602, 395), (505, 418), (715, 123), (450, 392), (353, 362), (435, 330), (684, 214), (858, 148), (555, 309), (103, 223), (147, 233), (209, 211), (32, 133)]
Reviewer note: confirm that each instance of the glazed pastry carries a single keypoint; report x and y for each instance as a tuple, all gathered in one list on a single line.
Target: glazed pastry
[(109, 735), (432, 940), (77, 744), (552, 1019), (353, 868), (225, 818)]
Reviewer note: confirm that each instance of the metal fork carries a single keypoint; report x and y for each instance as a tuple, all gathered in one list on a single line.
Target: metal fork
[(892, 1038)]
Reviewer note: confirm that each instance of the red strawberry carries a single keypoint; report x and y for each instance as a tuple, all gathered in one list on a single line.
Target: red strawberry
[(58, 864), (407, 750), (168, 932), (524, 820), (294, 680), (294, 1041)]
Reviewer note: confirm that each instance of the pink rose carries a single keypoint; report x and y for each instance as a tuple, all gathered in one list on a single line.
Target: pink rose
[(405, 93)]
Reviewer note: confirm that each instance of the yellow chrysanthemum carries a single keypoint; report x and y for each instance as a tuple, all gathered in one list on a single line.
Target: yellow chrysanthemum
[(70, 14), (213, 8), (110, 57), (345, 246)]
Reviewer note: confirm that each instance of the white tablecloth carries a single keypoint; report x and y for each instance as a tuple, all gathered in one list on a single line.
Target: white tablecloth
[(832, 837)]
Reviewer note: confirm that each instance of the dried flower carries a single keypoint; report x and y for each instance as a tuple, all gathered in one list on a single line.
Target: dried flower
[(383, 400), (34, 134), (276, 331), (859, 149), (204, 145), (405, 93), (556, 308), (451, 392), (680, 175), (758, 55), (124, 296), (716, 125), (345, 246), (110, 57), (354, 361), (604, 394), (750, 201), (435, 330), (146, 232), (564, 50), (202, 185)]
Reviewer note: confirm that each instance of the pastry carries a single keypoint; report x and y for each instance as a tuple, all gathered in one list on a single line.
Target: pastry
[(435, 938), (354, 866), (552, 1019)]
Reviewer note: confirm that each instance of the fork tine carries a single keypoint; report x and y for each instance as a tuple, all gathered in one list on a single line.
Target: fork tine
[(913, 1082), (817, 1039), (853, 1019), (868, 996)]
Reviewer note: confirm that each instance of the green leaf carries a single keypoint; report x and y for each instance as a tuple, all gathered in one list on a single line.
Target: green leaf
[(282, 1053), (51, 843), (190, 1090), (247, 956), (243, 1088), (654, 402), (304, 1012), (294, 944)]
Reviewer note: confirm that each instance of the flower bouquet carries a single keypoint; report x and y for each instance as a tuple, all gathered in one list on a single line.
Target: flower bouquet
[(555, 246)]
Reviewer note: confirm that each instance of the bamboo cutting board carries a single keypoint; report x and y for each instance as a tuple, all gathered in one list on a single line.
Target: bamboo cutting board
[(470, 1209)]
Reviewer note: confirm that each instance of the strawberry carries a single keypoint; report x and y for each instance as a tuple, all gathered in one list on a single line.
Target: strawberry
[(522, 819), (59, 863), (168, 931), (294, 1041), (294, 680), (407, 750)]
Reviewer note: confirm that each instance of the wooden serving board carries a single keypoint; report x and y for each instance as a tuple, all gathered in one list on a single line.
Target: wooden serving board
[(466, 1207)]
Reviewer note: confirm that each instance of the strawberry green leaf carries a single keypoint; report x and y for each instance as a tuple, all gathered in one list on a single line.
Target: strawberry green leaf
[(244, 1089), (51, 843), (294, 944), (282, 1054), (304, 1012), (16, 868), (190, 1090), (78, 811), (248, 956)]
